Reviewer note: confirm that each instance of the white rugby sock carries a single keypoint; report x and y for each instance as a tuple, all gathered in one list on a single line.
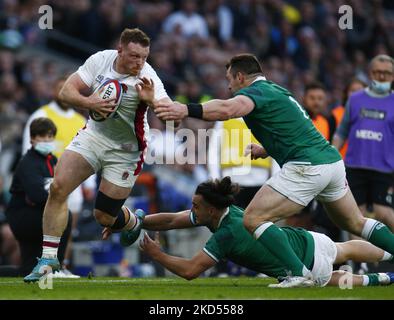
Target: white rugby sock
[(50, 245), (365, 281), (387, 256), (368, 228), (260, 229)]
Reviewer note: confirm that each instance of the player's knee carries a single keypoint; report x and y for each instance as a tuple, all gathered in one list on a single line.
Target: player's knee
[(250, 219), (57, 190), (103, 218), (107, 209), (253, 217)]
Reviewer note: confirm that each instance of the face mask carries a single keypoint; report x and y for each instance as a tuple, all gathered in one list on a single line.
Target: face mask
[(45, 148), (380, 87)]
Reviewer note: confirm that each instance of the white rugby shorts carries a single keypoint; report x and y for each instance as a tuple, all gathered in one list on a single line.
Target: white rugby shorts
[(302, 183), (325, 255), (118, 166)]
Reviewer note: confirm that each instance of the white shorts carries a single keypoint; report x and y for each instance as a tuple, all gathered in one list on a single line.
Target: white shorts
[(325, 255), (117, 166), (302, 183)]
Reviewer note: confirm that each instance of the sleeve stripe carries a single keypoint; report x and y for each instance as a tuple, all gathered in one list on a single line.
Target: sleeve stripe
[(210, 254)]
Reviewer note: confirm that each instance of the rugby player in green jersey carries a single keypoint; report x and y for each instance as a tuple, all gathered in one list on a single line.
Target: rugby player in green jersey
[(310, 166), (213, 207)]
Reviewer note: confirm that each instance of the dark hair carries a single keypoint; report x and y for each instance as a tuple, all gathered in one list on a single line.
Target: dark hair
[(314, 86), (136, 36), (348, 85), (41, 127), (218, 193), (245, 63)]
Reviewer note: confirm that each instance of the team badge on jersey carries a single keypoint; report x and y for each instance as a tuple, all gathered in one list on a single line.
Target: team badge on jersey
[(125, 175)]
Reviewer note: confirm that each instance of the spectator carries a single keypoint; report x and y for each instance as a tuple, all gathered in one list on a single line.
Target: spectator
[(67, 122), (187, 21), (29, 190), (315, 103)]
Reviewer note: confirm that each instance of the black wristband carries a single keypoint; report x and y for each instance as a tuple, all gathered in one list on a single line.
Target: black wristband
[(194, 110)]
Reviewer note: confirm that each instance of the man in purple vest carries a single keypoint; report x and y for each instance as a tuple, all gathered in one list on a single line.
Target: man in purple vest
[(368, 124)]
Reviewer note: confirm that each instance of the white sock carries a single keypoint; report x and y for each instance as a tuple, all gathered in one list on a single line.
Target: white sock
[(369, 226), (387, 256), (50, 245), (260, 229), (365, 281), (133, 222)]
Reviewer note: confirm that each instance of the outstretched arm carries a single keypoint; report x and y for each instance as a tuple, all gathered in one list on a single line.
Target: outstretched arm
[(188, 269), (211, 111), (168, 221), (236, 107), (146, 92)]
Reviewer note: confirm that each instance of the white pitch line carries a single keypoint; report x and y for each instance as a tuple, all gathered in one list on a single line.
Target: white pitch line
[(91, 281)]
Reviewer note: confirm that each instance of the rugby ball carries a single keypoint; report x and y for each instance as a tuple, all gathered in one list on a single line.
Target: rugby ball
[(110, 89)]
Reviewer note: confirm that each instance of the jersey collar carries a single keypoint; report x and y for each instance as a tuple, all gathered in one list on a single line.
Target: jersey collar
[(222, 217), (259, 78)]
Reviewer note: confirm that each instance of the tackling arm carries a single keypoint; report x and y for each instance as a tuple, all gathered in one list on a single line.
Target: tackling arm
[(236, 107), (188, 269), (211, 111), (168, 221)]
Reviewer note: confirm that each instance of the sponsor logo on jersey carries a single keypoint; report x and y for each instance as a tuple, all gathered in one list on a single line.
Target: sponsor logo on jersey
[(99, 78), (372, 114)]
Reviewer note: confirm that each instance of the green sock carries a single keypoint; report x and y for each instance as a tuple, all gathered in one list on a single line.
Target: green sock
[(378, 234), (275, 240), (377, 279)]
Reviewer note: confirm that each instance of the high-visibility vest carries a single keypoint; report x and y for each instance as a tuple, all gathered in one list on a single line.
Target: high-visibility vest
[(338, 113), (322, 126), (67, 128), (234, 139)]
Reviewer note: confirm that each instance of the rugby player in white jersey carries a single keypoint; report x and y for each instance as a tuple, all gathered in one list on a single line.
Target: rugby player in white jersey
[(114, 146)]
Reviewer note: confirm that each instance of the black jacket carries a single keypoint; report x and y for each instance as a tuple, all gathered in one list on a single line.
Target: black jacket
[(30, 185)]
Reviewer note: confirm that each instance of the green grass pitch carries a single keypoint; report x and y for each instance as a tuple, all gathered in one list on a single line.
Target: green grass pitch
[(178, 289)]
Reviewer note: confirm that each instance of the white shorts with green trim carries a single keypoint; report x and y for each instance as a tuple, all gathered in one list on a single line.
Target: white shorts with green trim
[(302, 183)]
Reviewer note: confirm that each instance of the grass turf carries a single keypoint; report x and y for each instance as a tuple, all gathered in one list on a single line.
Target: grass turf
[(177, 289)]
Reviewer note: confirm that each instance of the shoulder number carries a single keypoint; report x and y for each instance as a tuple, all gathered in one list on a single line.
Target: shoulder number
[(299, 107)]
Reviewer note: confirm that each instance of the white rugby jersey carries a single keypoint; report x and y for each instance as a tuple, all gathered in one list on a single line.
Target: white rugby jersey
[(128, 129)]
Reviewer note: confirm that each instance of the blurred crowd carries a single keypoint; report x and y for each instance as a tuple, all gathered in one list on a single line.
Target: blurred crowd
[(297, 41)]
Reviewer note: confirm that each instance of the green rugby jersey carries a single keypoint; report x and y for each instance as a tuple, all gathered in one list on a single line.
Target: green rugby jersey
[(233, 242), (284, 128)]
